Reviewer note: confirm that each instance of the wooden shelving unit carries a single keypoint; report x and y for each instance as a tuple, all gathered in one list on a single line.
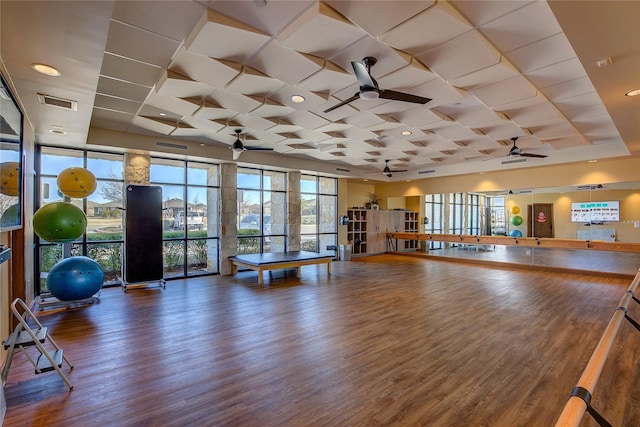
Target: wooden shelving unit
[(411, 226), (367, 229), (357, 230)]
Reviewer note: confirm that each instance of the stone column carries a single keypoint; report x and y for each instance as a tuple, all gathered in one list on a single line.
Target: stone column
[(293, 211), (137, 168), (228, 215)]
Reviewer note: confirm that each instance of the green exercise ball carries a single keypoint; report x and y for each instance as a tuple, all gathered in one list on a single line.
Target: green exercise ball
[(59, 222), (516, 220), (10, 217)]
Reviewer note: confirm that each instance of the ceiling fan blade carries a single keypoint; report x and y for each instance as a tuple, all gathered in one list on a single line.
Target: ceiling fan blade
[(364, 79), (401, 96), (540, 156), (346, 101), (257, 148)]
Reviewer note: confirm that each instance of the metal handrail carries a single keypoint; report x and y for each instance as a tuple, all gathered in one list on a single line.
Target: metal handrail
[(579, 400)]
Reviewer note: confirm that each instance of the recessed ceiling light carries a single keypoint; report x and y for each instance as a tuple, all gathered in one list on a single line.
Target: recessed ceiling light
[(297, 98), (365, 180), (633, 93), (593, 161), (406, 132), (46, 69), (202, 144), (57, 131), (408, 180), (163, 114)]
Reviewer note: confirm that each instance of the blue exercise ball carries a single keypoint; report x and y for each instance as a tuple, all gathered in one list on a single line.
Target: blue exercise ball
[(75, 278), (515, 233)]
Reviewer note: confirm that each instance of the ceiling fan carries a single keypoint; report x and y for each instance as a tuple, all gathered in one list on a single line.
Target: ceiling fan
[(387, 170), (516, 151), (369, 87), (238, 147)]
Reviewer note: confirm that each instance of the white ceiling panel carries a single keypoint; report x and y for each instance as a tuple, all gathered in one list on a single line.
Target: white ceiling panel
[(253, 82), (180, 86), (541, 54), (481, 12), (215, 27), (122, 89), (427, 29), (486, 76), (234, 101), (465, 54), (171, 19), (378, 17), (568, 89), (286, 64), (114, 120), (215, 73), (330, 78), (117, 104), (320, 31), (270, 20), (529, 116), (557, 73), (271, 108), (129, 70), (505, 92), (523, 26), (131, 42)]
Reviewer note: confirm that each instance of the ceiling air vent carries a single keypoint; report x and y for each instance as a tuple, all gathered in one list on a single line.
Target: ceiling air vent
[(427, 171), (508, 162), (171, 145), (343, 170), (54, 101)]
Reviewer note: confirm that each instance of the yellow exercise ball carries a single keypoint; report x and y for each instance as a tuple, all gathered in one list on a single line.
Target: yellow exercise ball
[(515, 210), (77, 183), (9, 175)]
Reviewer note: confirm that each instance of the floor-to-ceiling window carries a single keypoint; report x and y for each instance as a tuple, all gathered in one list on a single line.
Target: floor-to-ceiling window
[(262, 211), (103, 239), (456, 213), (474, 214), (498, 219), (434, 212), (190, 212), (318, 214)]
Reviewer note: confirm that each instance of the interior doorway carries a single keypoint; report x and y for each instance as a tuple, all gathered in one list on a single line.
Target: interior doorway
[(540, 223)]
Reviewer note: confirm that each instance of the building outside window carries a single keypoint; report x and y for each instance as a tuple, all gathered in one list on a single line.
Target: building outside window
[(434, 212), (190, 212), (318, 213), (103, 240), (262, 211)]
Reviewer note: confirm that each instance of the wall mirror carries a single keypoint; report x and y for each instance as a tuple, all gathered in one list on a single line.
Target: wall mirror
[(599, 211), (10, 160)]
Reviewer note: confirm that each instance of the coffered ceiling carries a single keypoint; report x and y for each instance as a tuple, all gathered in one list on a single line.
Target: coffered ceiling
[(194, 72)]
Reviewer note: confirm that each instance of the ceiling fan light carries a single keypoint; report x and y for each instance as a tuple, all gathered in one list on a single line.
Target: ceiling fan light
[(369, 94), (237, 146)]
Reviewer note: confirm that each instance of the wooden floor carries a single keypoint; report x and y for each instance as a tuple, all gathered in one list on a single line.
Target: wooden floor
[(383, 341)]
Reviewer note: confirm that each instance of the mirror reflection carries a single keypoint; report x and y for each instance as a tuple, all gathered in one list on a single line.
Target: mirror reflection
[(10, 160), (584, 227)]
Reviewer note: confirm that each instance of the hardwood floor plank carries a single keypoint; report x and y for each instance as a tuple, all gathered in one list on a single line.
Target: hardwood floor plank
[(385, 340)]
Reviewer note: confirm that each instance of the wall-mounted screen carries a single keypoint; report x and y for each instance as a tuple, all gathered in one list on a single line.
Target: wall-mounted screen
[(590, 212), (10, 160)]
